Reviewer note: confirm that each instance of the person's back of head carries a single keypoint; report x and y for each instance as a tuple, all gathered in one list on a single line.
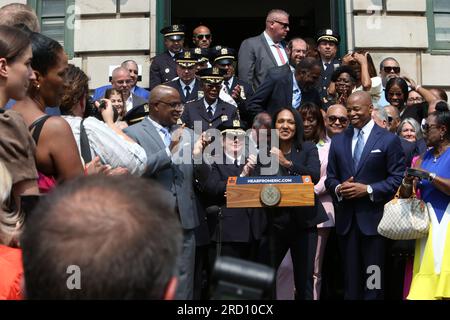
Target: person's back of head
[(76, 88), (120, 234), (19, 14)]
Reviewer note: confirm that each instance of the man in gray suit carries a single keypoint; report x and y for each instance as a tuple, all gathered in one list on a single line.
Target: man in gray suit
[(166, 144), (260, 53)]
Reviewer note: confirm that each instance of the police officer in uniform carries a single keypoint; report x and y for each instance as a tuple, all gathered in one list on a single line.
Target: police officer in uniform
[(327, 44), (210, 110), (186, 83), (239, 90), (163, 67)]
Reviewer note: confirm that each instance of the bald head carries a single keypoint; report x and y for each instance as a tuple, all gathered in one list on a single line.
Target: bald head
[(296, 50), (165, 105), (359, 108), (336, 119), (202, 37), (121, 80)]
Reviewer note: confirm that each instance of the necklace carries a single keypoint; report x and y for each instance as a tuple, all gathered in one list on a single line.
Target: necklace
[(436, 157)]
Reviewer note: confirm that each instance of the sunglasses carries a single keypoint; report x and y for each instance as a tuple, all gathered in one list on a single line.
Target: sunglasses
[(285, 25), (426, 127), (342, 120), (390, 69), (203, 36)]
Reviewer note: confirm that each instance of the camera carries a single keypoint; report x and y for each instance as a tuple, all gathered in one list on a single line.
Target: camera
[(92, 111), (237, 279)]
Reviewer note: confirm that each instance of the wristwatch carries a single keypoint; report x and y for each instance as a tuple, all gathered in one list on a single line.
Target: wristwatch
[(431, 176), (369, 190)]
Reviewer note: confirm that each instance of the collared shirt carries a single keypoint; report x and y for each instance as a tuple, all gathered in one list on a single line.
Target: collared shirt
[(367, 129), (296, 93), (111, 148), (213, 106), (230, 82), (231, 159), (190, 85), (160, 130), (129, 103), (275, 51)]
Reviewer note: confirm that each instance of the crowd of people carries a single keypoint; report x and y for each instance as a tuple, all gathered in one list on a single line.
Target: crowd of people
[(124, 185)]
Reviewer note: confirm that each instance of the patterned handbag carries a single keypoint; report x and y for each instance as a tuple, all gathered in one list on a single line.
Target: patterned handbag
[(404, 219)]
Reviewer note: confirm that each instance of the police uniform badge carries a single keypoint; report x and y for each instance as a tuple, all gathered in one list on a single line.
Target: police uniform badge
[(236, 123), (187, 54), (224, 118), (215, 71), (224, 51), (175, 27)]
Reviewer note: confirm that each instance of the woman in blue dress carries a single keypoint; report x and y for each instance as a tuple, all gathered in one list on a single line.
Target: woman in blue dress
[(431, 275)]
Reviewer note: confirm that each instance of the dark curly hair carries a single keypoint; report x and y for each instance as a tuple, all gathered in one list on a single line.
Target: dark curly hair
[(76, 85)]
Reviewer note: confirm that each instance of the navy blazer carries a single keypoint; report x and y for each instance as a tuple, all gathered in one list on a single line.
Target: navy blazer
[(196, 111), (162, 69), (381, 166), (176, 84), (238, 224), (276, 92)]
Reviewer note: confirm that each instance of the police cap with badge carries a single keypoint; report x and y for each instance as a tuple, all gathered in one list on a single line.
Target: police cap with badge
[(137, 114), (233, 128), (174, 32), (212, 75), (187, 58), (328, 35), (224, 56)]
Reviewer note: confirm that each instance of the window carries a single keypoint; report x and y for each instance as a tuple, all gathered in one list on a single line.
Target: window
[(57, 20), (438, 16)]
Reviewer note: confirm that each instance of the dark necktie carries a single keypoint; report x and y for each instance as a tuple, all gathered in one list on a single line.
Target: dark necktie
[(236, 163), (227, 85), (188, 91), (210, 113), (327, 66)]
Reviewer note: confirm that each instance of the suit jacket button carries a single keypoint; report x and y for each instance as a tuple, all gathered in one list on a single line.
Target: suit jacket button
[(210, 124)]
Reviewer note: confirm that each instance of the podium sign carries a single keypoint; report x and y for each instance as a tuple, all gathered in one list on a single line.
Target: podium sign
[(270, 191)]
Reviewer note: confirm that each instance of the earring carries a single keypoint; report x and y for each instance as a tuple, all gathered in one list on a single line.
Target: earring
[(38, 86), (442, 137)]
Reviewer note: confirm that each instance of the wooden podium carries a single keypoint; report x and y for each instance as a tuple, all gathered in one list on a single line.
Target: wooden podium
[(270, 191)]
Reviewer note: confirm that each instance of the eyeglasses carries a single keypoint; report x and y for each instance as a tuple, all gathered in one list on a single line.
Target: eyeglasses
[(342, 120), (285, 25), (173, 105), (390, 69), (124, 81), (203, 36), (415, 100), (426, 127)]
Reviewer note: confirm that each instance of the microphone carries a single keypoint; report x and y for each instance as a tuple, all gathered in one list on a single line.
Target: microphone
[(213, 210)]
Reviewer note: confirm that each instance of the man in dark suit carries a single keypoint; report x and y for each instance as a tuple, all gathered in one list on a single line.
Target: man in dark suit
[(260, 53), (365, 169), (281, 88), (239, 90), (210, 111), (163, 67), (161, 139), (327, 43), (136, 108), (186, 84)]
